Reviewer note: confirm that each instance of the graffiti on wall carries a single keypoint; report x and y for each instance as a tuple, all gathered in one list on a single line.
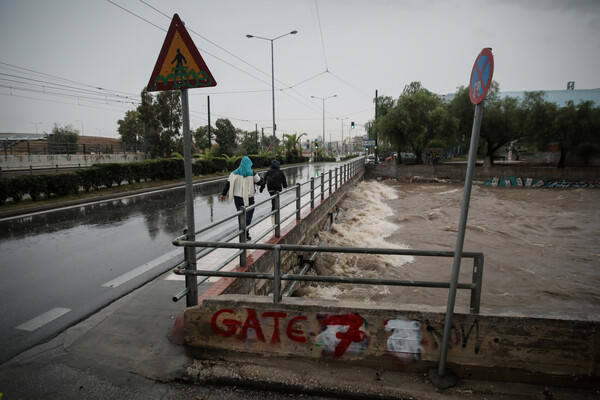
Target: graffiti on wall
[(252, 328), (457, 337), (339, 334), (342, 333), (406, 340)]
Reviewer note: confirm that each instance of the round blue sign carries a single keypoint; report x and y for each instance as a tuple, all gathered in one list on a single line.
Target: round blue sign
[(481, 76)]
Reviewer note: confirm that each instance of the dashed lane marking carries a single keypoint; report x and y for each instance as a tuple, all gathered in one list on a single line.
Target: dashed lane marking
[(43, 319)]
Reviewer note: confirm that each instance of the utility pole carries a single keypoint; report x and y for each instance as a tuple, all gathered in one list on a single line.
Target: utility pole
[(209, 135), (376, 158)]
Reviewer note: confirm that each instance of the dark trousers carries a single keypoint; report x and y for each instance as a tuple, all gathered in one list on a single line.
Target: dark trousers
[(239, 203), (271, 193)]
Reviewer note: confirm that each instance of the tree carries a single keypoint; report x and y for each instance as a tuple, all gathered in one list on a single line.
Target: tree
[(225, 136), (157, 120), (63, 140), (417, 118), (538, 119), (501, 122), (461, 108), (248, 142), (131, 128), (290, 142), (200, 136)]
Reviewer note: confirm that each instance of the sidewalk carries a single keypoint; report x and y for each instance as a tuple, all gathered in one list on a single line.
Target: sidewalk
[(124, 352)]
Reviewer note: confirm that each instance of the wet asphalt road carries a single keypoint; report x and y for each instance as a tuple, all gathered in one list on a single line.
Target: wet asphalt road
[(60, 266)]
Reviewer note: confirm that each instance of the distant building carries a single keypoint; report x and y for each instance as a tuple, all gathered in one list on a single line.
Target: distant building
[(560, 97)]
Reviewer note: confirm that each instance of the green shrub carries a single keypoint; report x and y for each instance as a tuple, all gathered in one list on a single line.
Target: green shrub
[(4, 191), (37, 186), (17, 187), (220, 164), (207, 166), (58, 185), (90, 178), (139, 171)]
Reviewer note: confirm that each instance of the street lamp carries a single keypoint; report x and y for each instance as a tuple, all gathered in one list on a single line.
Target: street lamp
[(273, 80), (324, 98)]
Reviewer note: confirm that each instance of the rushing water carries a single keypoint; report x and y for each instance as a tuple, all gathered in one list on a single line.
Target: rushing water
[(541, 246)]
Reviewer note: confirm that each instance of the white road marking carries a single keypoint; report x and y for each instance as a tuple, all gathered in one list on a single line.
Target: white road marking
[(43, 319), (141, 269)]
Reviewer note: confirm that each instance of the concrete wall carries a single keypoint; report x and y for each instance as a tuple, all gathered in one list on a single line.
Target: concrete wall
[(550, 350), (26, 162), (457, 172)]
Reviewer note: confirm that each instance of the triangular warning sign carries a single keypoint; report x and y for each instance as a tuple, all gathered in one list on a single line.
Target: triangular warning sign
[(179, 64)]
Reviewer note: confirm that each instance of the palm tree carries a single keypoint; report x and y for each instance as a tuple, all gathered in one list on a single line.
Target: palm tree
[(290, 142)]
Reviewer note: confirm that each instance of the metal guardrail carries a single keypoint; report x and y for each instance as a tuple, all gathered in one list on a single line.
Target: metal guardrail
[(277, 277), (328, 182), (304, 196)]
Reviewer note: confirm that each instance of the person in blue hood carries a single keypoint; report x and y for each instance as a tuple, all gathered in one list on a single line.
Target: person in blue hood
[(275, 181), (240, 189)]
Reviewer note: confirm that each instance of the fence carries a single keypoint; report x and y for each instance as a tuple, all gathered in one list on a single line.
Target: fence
[(43, 147)]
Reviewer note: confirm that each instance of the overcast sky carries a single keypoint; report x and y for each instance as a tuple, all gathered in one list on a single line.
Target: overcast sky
[(84, 62)]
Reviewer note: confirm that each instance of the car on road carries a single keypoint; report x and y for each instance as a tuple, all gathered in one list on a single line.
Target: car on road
[(408, 158)]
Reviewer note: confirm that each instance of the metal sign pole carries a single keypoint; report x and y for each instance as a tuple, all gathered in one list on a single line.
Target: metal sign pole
[(190, 280), (461, 237)]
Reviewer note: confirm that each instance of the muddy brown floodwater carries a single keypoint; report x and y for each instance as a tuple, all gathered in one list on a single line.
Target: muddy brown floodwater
[(541, 246)]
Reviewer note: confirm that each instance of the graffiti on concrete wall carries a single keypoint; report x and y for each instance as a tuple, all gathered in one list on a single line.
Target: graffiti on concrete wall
[(457, 337), (339, 335), (406, 340), (252, 328), (342, 333)]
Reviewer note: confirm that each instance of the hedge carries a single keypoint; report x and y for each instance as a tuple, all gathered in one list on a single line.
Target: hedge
[(109, 174)]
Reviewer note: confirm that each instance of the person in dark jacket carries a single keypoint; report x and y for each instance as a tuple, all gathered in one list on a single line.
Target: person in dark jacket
[(275, 180)]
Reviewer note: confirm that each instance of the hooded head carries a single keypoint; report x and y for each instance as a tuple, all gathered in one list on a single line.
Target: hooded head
[(245, 168), (275, 164)]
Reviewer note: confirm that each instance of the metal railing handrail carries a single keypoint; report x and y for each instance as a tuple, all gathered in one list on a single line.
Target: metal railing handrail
[(343, 173), (276, 276)]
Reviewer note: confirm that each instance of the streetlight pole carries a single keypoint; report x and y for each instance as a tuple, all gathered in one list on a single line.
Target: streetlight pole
[(324, 98), (273, 82), (342, 120), (81, 126)]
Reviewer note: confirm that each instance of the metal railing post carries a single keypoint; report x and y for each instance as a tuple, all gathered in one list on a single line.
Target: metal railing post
[(322, 187), (242, 227), (477, 281), (190, 283), (336, 177), (276, 274), (277, 215), (298, 201), (312, 192), (330, 182)]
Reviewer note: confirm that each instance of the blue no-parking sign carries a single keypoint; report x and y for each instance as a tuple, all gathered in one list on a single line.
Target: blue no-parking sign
[(481, 76)]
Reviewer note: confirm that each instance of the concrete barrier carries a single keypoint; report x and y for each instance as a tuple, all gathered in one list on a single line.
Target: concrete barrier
[(24, 162), (456, 172), (549, 349)]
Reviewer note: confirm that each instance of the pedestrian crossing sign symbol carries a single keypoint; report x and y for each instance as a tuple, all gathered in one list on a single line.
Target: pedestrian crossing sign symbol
[(179, 64)]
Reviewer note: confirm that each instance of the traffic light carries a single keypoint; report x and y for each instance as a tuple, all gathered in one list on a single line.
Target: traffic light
[(352, 125)]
